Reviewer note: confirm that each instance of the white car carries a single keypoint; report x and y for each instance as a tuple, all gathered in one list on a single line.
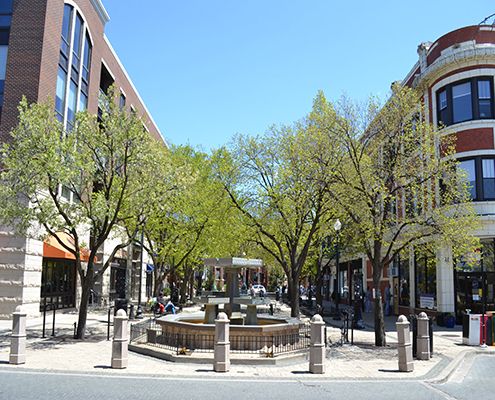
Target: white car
[(258, 290)]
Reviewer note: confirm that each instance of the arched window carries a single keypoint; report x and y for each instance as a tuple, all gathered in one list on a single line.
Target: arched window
[(73, 67)]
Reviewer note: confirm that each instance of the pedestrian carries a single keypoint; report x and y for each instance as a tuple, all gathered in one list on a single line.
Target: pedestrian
[(388, 299), (367, 300), (170, 307)]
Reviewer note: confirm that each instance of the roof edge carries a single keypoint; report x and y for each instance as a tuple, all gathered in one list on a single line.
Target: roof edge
[(101, 11)]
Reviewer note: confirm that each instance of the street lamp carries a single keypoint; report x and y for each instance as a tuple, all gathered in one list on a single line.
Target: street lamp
[(337, 227), (139, 312)]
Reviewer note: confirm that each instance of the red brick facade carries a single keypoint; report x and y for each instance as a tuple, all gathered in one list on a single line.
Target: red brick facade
[(33, 56)]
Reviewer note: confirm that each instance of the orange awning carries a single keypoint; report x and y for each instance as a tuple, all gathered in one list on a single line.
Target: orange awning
[(53, 249)]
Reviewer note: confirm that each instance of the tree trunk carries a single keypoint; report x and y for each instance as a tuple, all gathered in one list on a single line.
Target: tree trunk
[(183, 288), (319, 285), (379, 320), (294, 297), (86, 286)]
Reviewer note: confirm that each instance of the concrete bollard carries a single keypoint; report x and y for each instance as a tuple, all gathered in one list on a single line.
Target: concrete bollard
[(423, 338), (18, 338), (120, 341), (222, 344), (404, 347), (317, 348)]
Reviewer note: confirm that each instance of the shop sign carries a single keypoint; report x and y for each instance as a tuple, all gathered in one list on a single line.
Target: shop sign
[(427, 301)]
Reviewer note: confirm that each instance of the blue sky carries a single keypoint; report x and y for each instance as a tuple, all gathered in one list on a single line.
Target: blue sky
[(208, 69)]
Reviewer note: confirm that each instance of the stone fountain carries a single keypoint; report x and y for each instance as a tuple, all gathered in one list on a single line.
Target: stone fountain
[(231, 298)]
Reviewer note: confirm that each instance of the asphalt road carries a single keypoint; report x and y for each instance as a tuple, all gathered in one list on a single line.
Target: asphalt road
[(475, 383)]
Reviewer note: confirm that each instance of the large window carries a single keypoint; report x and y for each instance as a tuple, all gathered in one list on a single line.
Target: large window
[(404, 284), (480, 175), (426, 278), (58, 283), (465, 100), (5, 20), (74, 68)]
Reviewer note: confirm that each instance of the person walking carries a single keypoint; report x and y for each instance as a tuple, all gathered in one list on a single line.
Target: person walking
[(368, 300), (388, 300)]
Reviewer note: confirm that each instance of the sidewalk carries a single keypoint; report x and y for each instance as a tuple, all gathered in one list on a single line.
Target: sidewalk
[(361, 361)]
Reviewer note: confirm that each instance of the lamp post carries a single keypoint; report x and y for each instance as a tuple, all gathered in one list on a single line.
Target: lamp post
[(337, 227), (324, 253), (483, 308), (139, 311)]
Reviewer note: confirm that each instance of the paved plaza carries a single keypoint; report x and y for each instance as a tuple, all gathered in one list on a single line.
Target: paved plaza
[(361, 361)]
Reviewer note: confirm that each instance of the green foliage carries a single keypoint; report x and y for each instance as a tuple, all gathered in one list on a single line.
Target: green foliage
[(102, 165), (188, 216), (398, 185), (279, 183)]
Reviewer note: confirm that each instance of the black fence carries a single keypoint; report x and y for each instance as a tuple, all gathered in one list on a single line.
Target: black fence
[(151, 334)]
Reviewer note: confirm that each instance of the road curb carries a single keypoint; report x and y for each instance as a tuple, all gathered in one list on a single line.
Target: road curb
[(449, 370)]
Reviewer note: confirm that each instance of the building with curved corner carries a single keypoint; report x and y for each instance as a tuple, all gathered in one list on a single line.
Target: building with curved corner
[(455, 74), (56, 50)]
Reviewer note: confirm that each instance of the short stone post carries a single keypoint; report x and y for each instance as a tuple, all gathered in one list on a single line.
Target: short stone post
[(406, 363), (317, 347), (18, 338), (120, 341), (251, 315), (423, 338), (222, 344)]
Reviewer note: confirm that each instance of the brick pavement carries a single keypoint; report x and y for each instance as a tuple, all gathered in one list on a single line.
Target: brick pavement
[(359, 361)]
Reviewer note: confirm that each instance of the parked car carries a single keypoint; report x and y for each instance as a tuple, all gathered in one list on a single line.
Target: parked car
[(258, 290)]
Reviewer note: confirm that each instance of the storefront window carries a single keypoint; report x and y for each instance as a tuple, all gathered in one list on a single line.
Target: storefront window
[(426, 278), (58, 280), (404, 296)]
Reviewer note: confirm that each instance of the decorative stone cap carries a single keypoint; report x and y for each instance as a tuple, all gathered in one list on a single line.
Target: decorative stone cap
[(317, 319), (222, 317), (402, 319), (422, 315), (121, 313)]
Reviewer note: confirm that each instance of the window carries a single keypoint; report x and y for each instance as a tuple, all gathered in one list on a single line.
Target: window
[(60, 93), (5, 20), (484, 99), (470, 169), (461, 102), (6, 6), (480, 174), (426, 278), (466, 100), (74, 68), (488, 167), (404, 298), (122, 101)]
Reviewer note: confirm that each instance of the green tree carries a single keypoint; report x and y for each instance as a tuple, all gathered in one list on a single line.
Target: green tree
[(398, 186), (279, 182), (104, 166), (188, 218)]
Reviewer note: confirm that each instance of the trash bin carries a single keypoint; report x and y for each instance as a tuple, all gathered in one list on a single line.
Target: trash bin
[(471, 329), (449, 321), (120, 304)]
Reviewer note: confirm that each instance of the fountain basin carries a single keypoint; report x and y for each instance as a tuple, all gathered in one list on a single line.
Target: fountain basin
[(191, 330)]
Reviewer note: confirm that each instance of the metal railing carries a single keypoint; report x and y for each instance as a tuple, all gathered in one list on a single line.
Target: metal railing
[(150, 333)]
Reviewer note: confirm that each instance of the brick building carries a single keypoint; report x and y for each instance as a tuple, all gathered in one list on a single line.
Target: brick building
[(57, 51), (456, 75)]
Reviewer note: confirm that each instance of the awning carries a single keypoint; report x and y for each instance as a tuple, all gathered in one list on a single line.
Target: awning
[(53, 249)]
